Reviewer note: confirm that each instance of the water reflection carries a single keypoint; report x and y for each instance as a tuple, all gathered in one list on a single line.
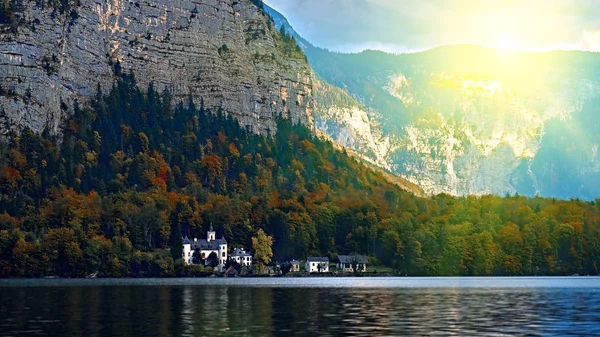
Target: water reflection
[(194, 310)]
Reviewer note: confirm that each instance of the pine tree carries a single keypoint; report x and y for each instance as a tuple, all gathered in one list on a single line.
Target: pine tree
[(176, 241)]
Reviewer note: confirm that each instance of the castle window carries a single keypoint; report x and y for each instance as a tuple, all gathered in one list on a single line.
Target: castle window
[(223, 254)]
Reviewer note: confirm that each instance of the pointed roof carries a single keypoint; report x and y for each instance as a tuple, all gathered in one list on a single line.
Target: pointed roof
[(239, 252), (232, 271), (186, 241), (211, 228)]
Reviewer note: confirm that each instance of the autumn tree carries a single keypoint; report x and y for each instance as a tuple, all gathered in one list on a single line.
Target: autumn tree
[(261, 244)]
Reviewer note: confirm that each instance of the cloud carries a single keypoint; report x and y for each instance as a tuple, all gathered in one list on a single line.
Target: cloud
[(405, 25)]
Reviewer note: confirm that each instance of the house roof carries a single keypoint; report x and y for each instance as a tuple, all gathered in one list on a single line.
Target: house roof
[(239, 252), (352, 258), (317, 259), (221, 241), (203, 244), (186, 241), (232, 270), (294, 262)]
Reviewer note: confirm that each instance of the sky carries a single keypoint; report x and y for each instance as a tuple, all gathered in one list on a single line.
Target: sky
[(414, 25)]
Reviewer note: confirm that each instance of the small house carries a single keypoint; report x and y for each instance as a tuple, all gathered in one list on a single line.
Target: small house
[(242, 257), (347, 263), (295, 266), (317, 265)]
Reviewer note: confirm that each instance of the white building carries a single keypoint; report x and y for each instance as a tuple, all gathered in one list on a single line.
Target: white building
[(295, 266), (205, 248), (317, 265), (242, 257)]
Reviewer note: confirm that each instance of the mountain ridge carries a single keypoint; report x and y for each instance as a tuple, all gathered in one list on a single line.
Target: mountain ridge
[(467, 119)]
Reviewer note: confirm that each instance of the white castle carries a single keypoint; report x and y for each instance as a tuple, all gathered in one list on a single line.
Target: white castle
[(206, 247), (213, 245)]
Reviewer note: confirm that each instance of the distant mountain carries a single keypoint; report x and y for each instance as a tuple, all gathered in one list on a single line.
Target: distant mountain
[(338, 114), (471, 120)]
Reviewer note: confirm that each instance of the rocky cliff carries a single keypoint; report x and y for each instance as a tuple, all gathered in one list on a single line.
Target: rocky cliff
[(349, 123), (337, 114), (224, 52)]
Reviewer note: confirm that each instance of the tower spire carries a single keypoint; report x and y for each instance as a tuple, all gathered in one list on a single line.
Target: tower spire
[(210, 235)]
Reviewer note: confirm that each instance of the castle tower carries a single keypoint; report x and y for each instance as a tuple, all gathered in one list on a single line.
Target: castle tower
[(223, 251), (187, 250), (210, 235)]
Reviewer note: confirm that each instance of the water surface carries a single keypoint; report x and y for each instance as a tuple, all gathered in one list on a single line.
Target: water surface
[(302, 306)]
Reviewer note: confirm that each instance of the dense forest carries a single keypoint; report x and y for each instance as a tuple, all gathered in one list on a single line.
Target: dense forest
[(129, 175)]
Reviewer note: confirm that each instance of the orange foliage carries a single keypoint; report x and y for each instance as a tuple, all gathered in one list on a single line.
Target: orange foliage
[(10, 177), (233, 150), (273, 200)]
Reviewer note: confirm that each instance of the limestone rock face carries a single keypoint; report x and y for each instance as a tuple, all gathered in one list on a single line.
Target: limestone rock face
[(349, 123), (225, 52)]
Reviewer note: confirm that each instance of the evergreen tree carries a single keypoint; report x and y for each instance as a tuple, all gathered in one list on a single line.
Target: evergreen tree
[(176, 241)]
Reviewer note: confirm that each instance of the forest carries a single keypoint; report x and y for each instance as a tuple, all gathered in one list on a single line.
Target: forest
[(128, 175)]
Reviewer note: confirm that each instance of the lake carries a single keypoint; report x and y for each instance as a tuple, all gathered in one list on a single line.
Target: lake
[(302, 306)]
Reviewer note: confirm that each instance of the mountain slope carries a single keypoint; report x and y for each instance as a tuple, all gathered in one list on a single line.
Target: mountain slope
[(131, 175), (470, 120), (114, 188), (223, 51), (338, 114)]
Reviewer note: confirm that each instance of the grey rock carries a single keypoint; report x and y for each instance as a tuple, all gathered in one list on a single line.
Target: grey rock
[(53, 61)]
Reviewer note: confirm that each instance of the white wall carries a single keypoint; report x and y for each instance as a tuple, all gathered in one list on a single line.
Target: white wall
[(361, 267), (243, 260), (187, 253), (313, 267), (222, 254)]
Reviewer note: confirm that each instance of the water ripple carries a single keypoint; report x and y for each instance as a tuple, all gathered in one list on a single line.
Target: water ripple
[(301, 307)]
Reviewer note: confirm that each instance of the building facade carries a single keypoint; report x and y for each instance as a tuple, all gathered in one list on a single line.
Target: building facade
[(295, 266), (206, 247), (242, 257), (347, 263), (317, 265)]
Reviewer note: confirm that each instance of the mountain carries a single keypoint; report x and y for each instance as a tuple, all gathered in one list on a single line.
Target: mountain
[(226, 53), (127, 177), (340, 115), (470, 120), (109, 184)]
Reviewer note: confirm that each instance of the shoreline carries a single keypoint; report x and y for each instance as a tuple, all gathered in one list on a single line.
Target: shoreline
[(302, 276), (485, 284)]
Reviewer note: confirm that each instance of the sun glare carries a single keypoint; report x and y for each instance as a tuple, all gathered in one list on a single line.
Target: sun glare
[(505, 41)]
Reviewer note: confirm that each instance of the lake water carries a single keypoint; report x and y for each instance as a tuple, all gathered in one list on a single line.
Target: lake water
[(302, 306)]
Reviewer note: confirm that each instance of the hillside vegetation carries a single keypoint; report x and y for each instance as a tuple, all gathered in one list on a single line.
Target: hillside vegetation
[(129, 176)]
